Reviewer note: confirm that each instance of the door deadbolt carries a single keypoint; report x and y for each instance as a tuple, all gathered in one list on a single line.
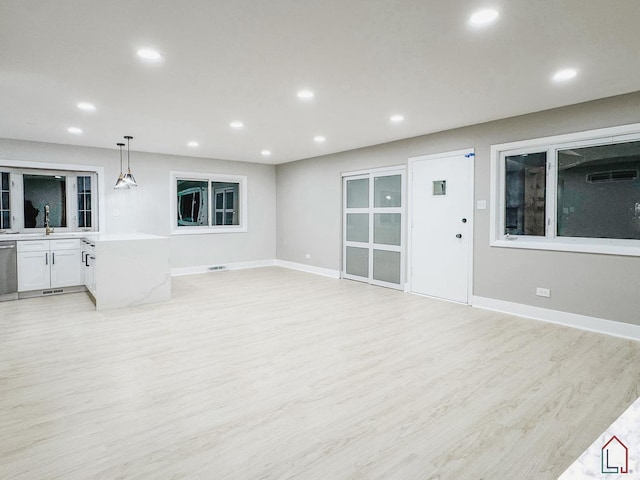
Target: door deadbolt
[(459, 235)]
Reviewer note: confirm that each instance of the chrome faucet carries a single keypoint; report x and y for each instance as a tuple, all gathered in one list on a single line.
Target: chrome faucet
[(47, 225)]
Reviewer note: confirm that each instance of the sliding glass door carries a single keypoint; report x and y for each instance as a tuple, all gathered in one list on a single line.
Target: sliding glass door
[(374, 228)]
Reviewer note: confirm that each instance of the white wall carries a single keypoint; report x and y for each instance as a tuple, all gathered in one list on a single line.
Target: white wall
[(603, 286), (147, 207)]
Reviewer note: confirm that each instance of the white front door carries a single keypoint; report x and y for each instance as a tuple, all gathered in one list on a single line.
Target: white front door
[(441, 225)]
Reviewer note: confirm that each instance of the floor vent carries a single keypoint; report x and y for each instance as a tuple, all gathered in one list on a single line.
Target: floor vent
[(216, 268), (53, 292)]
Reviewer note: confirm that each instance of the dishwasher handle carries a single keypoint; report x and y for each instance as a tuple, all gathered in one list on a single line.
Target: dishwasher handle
[(5, 247)]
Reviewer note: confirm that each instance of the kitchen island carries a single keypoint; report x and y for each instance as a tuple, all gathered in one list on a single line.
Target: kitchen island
[(128, 270)]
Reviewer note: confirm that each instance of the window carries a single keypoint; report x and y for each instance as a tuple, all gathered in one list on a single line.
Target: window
[(578, 192), (208, 203), (42, 191), (5, 204), (525, 194), (25, 194), (84, 202)]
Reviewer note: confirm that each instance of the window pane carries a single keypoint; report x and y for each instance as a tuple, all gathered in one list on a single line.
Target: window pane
[(358, 261), (387, 228), (387, 191), (386, 266), (4, 201), (526, 177), (193, 204), (87, 219), (599, 191), (42, 190), (357, 227), (358, 193), (81, 220), (5, 180), (80, 184), (228, 199), (6, 224)]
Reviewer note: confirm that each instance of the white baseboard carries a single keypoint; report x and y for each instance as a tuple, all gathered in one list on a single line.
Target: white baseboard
[(325, 272), (176, 272), (582, 322)]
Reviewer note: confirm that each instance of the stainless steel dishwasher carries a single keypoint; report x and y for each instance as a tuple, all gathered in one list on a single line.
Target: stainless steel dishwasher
[(8, 271)]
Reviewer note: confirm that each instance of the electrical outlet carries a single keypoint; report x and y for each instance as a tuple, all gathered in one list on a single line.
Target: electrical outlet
[(481, 205), (543, 292), (307, 256)]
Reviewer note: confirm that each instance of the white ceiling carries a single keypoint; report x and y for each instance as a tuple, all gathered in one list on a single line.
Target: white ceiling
[(246, 59)]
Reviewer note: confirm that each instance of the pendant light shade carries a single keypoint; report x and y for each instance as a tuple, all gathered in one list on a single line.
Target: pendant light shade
[(121, 183), (129, 178)]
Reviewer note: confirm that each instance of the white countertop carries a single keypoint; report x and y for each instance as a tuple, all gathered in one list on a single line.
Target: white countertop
[(95, 236)]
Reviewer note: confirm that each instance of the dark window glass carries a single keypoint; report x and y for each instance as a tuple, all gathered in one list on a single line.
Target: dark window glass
[(525, 194), (193, 203), (40, 191), (599, 191)]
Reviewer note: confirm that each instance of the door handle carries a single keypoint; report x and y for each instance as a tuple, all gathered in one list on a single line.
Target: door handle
[(459, 235)]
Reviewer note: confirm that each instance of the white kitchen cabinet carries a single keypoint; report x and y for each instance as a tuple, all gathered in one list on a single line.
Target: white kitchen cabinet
[(46, 264), (89, 266), (33, 271), (65, 268)]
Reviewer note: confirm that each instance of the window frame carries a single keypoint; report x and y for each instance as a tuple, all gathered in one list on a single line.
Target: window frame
[(551, 241), (17, 169), (241, 180)]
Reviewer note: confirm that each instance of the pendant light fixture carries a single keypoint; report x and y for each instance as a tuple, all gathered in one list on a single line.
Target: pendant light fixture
[(121, 183), (128, 178)]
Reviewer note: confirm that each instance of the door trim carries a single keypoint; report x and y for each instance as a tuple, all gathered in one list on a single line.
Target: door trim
[(439, 156)]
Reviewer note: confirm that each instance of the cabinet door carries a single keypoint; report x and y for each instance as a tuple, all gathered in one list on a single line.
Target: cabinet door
[(33, 271), (90, 273), (65, 268)]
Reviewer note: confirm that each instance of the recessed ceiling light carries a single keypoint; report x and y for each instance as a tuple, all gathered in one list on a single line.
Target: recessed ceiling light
[(396, 118), (74, 130), (564, 75), (319, 139), (484, 17), (265, 153), (86, 106), (149, 55), (193, 144), (305, 94), (236, 124)]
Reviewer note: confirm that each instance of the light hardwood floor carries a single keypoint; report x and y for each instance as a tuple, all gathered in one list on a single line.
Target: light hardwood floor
[(276, 374)]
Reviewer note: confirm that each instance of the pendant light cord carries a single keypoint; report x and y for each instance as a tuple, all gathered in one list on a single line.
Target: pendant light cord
[(128, 137)]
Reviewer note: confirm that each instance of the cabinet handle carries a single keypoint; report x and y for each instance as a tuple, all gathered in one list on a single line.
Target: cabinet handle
[(46, 259), (86, 260), (53, 258)]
